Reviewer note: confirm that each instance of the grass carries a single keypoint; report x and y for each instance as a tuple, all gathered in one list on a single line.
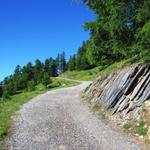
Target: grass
[(139, 128), (85, 75), (127, 126), (99, 110), (58, 82), (141, 124), (142, 132), (90, 75), (10, 106), (96, 108)]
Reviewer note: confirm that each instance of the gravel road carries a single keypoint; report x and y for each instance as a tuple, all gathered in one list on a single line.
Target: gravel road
[(59, 120)]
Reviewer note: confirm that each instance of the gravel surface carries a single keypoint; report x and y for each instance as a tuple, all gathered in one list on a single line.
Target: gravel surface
[(59, 120)]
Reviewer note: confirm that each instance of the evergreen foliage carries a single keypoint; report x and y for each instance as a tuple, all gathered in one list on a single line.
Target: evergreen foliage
[(82, 62), (38, 69), (72, 63), (1, 90), (29, 76), (31, 85), (121, 30), (46, 79), (61, 62)]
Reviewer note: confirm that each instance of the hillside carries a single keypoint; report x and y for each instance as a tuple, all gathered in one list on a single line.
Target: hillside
[(92, 74)]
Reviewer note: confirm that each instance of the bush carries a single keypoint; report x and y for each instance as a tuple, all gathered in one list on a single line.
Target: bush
[(127, 126), (46, 79), (90, 73), (141, 124), (142, 131), (96, 107), (40, 87), (5, 95), (54, 84), (31, 85)]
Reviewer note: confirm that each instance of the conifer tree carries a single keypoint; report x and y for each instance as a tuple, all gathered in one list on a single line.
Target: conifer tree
[(38, 69), (72, 63), (1, 90), (46, 79), (47, 66)]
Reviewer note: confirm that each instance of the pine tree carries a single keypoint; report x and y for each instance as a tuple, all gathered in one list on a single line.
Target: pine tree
[(121, 30), (72, 63), (31, 86), (27, 74), (47, 66), (46, 79), (17, 78), (54, 68), (29, 71), (61, 62), (58, 63), (81, 60), (1, 89), (8, 86), (38, 69)]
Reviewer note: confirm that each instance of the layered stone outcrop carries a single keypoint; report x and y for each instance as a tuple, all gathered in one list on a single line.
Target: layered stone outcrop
[(123, 91)]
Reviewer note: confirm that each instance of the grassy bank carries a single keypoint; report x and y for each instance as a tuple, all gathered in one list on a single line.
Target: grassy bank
[(10, 106), (90, 75)]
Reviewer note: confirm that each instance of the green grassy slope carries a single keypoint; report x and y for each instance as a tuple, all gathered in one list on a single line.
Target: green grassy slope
[(90, 75)]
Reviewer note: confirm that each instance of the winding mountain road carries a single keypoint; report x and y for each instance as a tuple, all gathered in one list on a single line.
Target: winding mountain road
[(59, 120)]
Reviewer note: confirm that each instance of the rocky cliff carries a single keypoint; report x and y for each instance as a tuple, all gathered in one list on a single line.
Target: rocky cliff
[(124, 91)]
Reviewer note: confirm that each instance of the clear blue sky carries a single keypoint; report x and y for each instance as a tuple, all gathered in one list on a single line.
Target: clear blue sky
[(31, 29)]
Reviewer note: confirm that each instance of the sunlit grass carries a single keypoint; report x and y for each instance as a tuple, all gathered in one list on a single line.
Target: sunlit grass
[(91, 74)]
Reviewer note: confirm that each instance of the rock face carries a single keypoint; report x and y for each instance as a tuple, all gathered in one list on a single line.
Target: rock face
[(124, 91)]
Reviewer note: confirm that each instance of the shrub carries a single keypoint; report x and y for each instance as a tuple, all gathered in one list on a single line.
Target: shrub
[(90, 73), (54, 84), (97, 107), (5, 95), (46, 79), (141, 124), (127, 126), (142, 131), (31, 85)]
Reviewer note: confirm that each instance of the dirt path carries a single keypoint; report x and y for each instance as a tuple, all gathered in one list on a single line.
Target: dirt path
[(59, 120)]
